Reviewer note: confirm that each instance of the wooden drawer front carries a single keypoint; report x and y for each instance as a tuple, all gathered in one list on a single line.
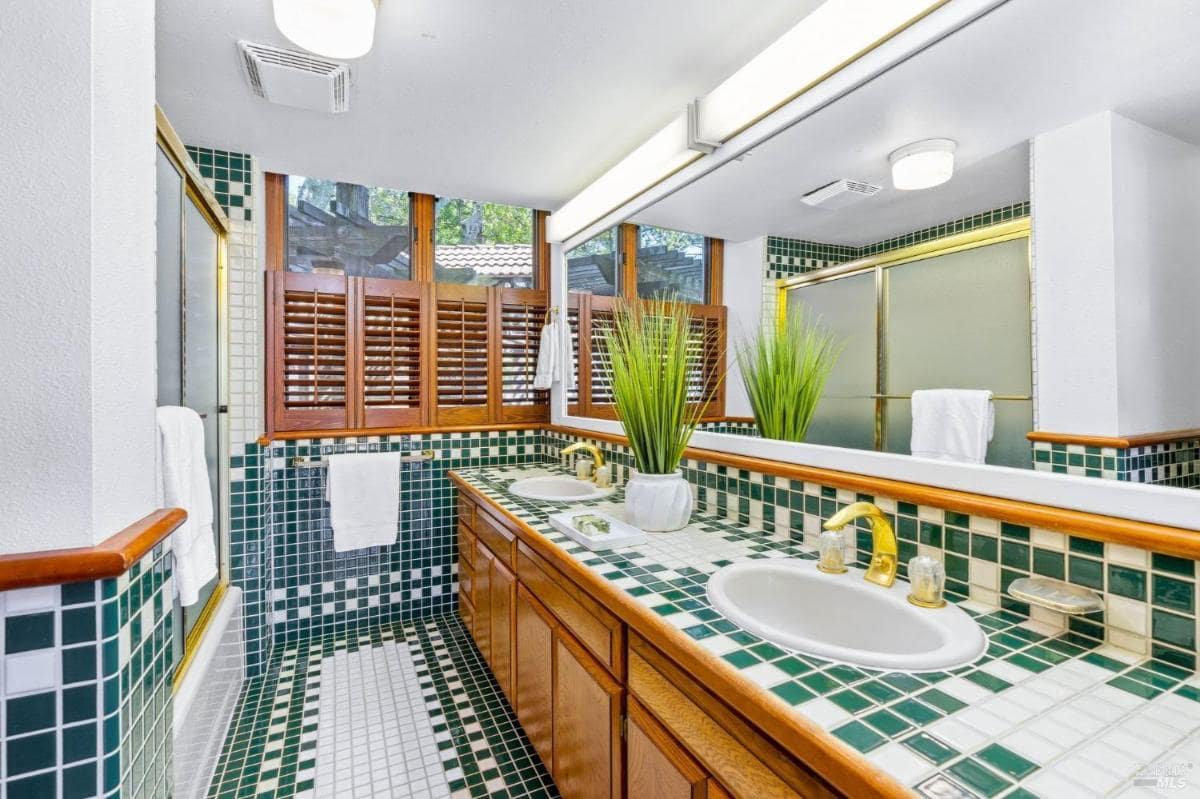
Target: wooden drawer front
[(483, 602), (495, 536), (466, 510), (587, 724), (724, 745), (598, 630), (656, 765), (503, 586), (466, 564), (533, 670)]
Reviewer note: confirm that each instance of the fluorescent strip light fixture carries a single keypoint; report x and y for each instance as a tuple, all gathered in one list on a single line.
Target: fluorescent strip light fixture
[(833, 35)]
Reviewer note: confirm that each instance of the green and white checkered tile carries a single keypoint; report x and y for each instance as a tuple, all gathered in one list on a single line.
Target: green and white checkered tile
[(1041, 713), (398, 710)]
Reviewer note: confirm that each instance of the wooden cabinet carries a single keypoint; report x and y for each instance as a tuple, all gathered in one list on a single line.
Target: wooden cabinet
[(482, 629), (656, 763), (466, 576), (533, 673), (502, 585), (587, 724)]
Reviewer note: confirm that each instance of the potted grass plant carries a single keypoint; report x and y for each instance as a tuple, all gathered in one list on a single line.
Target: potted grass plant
[(784, 368), (650, 350)]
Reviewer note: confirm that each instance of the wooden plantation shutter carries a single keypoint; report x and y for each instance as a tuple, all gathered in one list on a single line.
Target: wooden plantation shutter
[(522, 315), (573, 303), (706, 358), (461, 328), (596, 395), (310, 351), (392, 319)]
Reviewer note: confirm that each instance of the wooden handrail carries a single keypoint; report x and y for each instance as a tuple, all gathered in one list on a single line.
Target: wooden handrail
[(111, 558), (1116, 442)]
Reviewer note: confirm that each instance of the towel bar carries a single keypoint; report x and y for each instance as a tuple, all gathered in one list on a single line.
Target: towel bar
[(299, 462)]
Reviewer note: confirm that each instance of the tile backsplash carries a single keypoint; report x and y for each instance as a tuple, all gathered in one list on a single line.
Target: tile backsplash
[(1172, 463)]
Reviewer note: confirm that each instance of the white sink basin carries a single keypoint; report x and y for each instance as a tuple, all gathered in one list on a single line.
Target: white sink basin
[(557, 488), (842, 617)]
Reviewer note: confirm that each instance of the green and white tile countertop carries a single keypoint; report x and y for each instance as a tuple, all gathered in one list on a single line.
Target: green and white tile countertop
[(1041, 714)]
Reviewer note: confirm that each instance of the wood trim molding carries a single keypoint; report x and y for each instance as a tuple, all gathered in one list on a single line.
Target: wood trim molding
[(293, 435), (1176, 541), (1117, 442), (846, 771), (275, 204), (716, 271), (111, 558), (627, 246), (423, 217), (541, 251)]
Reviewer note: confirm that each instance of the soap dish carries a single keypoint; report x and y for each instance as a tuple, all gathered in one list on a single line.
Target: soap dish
[(596, 530), (1056, 595)]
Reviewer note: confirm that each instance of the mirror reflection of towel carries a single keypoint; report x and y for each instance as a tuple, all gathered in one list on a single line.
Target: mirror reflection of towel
[(952, 424)]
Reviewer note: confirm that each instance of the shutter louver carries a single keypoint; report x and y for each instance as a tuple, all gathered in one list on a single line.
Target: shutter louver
[(462, 354), (391, 352), (522, 315), (573, 328), (310, 351)]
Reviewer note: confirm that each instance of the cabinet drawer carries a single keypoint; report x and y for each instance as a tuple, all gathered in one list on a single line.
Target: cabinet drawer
[(466, 510), (466, 612), (599, 631), (495, 536), (466, 563), (724, 745)]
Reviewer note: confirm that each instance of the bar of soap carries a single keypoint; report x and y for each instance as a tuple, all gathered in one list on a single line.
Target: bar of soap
[(1056, 595)]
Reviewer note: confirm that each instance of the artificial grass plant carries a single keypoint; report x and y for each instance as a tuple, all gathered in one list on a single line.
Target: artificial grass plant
[(784, 368), (652, 351)]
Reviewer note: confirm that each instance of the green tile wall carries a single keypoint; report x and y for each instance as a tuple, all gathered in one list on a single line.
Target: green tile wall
[(231, 177), (1173, 463)]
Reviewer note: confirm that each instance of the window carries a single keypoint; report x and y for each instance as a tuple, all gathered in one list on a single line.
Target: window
[(592, 267), (347, 229), (670, 262), (484, 244)]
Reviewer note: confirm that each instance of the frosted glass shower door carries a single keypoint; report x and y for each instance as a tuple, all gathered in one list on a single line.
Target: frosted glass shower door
[(846, 306), (961, 320)]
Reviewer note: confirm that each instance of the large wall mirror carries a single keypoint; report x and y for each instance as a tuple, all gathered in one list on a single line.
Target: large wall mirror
[(1058, 267)]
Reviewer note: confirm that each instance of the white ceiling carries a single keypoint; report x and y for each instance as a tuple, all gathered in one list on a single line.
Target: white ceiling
[(523, 102), (1028, 67)]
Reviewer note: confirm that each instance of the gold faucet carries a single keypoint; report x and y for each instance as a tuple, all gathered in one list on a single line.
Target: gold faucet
[(590, 449), (884, 557)]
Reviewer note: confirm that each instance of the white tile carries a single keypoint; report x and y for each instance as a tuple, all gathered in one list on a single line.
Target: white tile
[(1006, 671), (977, 718), (985, 574), (898, 762), (28, 600), (1055, 786), (31, 671), (824, 712), (1032, 747), (1126, 555), (957, 734), (1048, 539), (765, 674), (964, 690), (1120, 763), (1098, 781)]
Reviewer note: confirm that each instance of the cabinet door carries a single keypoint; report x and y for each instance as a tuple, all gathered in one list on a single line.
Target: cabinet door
[(482, 627), (587, 724), (533, 673), (502, 585), (657, 765)]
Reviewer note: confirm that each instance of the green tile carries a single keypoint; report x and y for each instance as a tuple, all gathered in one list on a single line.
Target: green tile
[(916, 712), (1087, 572), (1173, 629), (1104, 662), (1189, 692), (792, 666), (1170, 592), (1086, 546), (79, 703), (859, 736), (887, 722), (31, 753), (28, 631), (932, 749), (1127, 582), (880, 692), (942, 700), (741, 659), (31, 713), (820, 683), (988, 681), (850, 701), (1172, 564), (957, 567), (905, 683), (846, 674), (1015, 531), (1015, 555), (958, 541), (979, 778), (1134, 687), (984, 547), (1027, 662), (792, 693), (1007, 761), (78, 625)]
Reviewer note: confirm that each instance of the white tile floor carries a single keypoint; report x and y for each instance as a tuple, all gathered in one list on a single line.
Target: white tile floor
[(375, 737)]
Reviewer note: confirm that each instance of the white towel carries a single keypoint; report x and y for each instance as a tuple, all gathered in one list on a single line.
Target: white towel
[(364, 499), (549, 365), (952, 424), (183, 483)]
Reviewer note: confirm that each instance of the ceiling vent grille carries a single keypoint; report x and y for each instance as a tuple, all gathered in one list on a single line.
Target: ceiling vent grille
[(296, 78), (839, 193)]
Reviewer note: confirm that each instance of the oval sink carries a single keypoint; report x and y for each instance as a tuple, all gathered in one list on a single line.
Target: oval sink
[(842, 617), (557, 488)]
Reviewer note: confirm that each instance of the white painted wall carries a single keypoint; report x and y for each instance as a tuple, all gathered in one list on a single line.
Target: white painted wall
[(77, 322), (1116, 226), (1156, 215), (743, 298)]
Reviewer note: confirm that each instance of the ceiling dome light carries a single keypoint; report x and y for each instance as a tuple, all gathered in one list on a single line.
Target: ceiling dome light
[(332, 28), (922, 164)]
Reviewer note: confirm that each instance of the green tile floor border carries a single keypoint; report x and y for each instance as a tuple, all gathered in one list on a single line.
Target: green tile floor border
[(270, 751)]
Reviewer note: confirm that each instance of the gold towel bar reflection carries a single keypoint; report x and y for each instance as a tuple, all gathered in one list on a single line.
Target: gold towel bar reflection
[(999, 397)]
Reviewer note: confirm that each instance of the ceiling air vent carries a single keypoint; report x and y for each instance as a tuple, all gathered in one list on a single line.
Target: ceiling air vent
[(839, 194), (296, 78)]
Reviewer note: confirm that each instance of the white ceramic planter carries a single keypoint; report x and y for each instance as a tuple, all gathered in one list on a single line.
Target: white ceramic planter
[(658, 502)]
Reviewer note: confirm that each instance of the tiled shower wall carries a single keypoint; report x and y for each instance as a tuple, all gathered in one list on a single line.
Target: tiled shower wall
[(86, 686), (1174, 463)]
